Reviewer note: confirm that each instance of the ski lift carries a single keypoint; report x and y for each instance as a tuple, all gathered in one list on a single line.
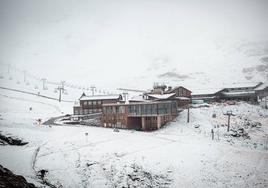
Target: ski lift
[(36, 87), (55, 90)]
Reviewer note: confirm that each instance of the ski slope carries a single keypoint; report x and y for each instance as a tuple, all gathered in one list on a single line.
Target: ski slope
[(177, 155)]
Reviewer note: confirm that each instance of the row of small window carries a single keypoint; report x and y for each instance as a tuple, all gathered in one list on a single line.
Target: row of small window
[(181, 92), (151, 109), (165, 108), (90, 103), (113, 110), (86, 111), (116, 125), (151, 118)]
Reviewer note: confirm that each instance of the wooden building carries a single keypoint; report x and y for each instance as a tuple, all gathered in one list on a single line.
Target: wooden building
[(182, 95), (93, 104), (179, 94), (244, 92), (139, 116)]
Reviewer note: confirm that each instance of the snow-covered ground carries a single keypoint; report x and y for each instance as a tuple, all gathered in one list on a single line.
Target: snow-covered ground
[(178, 155)]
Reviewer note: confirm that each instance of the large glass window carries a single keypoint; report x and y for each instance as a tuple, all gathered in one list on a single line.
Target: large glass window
[(148, 109), (121, 109), (154, 109), (168, 105), (162, 108), (109, 110), (129, 109), (142, 109)]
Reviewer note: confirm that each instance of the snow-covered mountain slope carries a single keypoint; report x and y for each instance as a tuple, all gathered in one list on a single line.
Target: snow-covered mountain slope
[(135, 43), (177, 155), (14, 78), (223, 64)]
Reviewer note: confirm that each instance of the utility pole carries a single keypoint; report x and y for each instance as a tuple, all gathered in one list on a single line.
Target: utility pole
[(229, 114), (188, 114), (212, 134), (92, 88)]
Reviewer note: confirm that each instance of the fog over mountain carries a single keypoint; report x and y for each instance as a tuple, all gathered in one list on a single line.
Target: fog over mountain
[(135, 43)]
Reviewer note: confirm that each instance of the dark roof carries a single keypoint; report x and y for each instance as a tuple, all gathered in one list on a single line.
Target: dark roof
[(175, 88)]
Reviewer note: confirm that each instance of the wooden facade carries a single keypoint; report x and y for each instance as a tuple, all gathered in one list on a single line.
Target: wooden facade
[(93, 104), (182, 96), (139, 116)]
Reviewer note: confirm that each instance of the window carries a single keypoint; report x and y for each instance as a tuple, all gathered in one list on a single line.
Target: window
[(121, 109), (94, 103), (129, 109), (154, 109), (142, 109), (148, 109), (85, 103)]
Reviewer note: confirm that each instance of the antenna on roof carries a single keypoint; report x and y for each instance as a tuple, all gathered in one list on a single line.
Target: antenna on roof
[(125, 94), (92, 89)]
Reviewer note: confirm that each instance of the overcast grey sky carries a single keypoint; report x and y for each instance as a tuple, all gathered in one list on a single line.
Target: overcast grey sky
[(90, 39)]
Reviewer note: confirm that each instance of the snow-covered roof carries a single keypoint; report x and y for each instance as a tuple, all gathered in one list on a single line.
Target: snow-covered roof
[(175, 88), (161, 96), (206, 91), (99, 97), (137, 103), (200, 98), (238, 93), (137, 98), (242, 85), (261, 87), (182, 98)]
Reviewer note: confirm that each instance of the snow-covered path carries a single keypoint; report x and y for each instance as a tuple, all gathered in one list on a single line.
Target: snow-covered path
[(177, 155)]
